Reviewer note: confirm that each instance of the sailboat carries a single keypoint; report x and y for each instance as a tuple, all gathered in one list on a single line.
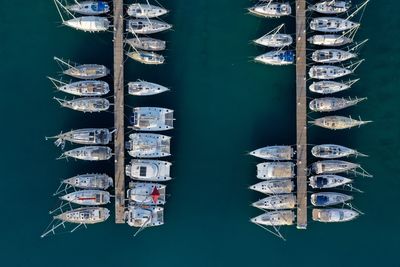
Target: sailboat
[(88, 197), (330, 151), (281, 186), (334, 215), (331, 7), (338, 122), (82, 88), (274, 153), (276, 202), (323, 199), (329, 87), (328, 181), (85, 104), (143, 88), (86, 136), (91, 8), (143, 11), (146, 43), (145, 57), (275, 218), (90, 153), (271, 9), (275, 39), (146, 26), (84, 71), (275, 170), (329, 104), (279, 58)]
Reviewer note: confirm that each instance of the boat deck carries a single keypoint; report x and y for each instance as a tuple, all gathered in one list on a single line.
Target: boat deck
[(301, 114), (119, 112)]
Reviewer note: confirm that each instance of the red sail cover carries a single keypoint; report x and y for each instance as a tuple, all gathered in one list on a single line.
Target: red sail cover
[(155, 194)]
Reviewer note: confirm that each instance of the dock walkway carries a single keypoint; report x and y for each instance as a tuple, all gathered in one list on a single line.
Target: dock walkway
[(301, 114), (119, 112)]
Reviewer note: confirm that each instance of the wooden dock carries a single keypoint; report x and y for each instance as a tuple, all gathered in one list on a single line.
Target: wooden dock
[(119, 177), (301, 113)]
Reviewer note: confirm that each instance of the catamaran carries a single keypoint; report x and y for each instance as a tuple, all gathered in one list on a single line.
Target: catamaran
[(271, 9), (144, 216), (332, 40), (334, 215), (148, 58), (90, 153), (85, 215), (329, 151), (152, 119), (82, 88), (278, 58), (275, 170), (330, 87), (275, 218), (331, 56), (148, 170), (328, 181), (146, 43), (146, 145), (86, 136), (338, 122), (146, 26), (145, 11), (332, 24), (143, 88), (88, 197), (328, 104), (274, 153), (276, 202), (90, 7), (331, 7), (323, 199), (281, 186), (85, 104), (147, 193)]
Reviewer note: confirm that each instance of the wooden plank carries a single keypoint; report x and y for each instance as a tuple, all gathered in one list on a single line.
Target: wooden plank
[(119, 112), (301, 114)]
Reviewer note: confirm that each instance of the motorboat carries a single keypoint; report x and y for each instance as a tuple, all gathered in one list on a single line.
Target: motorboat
[(148, 170)]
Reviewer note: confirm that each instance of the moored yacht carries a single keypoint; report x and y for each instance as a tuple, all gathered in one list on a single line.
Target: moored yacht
[(271, 9), (275, 218), (328, 104), (88, 197), (145, 11), (323, 199), (146, 193), (148, 58), (144, 216), (328, 72), (152, 119), (281, 186), (90, 7), (332, 24), (332, 40), (146, 26), (147, 43), (338, 122), (88, 23), (274, 153), (331, 7), (276, 202), (334, 215), (278, 58), (330, 87), (87, 136), (85, 104), (143, 88), (331, 56), (82, 88), (330, 151), (86, 215), (90, 153), (275, 170), (333, 166), (87, 71), (148, 170), (146, 145), (90, 181), (328, 181), (275, 40)]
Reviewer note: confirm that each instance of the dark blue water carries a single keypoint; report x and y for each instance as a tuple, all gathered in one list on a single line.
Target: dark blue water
[(225, 106)]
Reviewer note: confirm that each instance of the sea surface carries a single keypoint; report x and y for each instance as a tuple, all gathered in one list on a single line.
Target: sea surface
[(225, 106)]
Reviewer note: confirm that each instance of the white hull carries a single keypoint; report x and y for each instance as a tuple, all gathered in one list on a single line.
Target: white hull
[(331, 56), (88, 197), (332, 24), (333, 166), (90, 181), (145, 11), (152, 119), (331, 40), (328, 72), (274, 153), (89, 23), (271, 10), (90, 8), (275, 218), (276, 202), (328, 181), (143, 88), (147, 26), (334, 215), (146, 216), (145, 145), (324, 199), (275, 40), (149, 170), (146, 193), (281, 186), (87, 215), (275, 170), (89, 153)]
